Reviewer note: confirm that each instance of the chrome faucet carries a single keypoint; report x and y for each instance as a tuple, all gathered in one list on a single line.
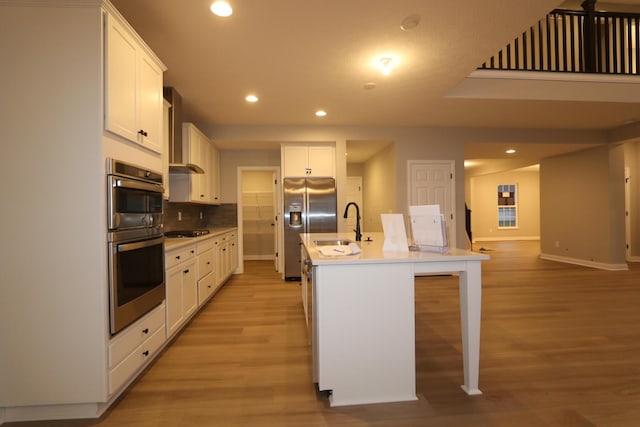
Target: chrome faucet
[(357, 230)]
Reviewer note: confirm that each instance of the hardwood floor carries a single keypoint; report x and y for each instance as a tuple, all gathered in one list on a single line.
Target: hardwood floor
[(560, 347)]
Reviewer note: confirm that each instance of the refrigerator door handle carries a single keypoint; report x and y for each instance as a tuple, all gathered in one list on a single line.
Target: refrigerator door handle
[(305, 211)]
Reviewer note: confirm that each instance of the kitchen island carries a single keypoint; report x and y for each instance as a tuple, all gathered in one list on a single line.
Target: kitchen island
[(363, 316)]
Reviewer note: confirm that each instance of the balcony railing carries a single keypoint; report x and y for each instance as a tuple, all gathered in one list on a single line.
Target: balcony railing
[(575, 42)]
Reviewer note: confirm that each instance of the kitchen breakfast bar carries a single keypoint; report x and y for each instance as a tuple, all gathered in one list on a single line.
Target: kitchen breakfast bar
[(361, 310)]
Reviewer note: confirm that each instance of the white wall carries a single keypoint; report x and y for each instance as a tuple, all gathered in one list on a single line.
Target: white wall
[(231, 160), (582, 207), (411, 143), (379, 194), (484, 201)]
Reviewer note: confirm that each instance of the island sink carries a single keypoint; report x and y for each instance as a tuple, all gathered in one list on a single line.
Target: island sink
[(332, 242)]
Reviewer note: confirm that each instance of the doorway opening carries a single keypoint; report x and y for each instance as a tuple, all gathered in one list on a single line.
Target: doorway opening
[(259, 214)]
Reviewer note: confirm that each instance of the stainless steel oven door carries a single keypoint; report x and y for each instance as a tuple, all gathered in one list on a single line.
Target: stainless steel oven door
[(136, 281), (133, 204)]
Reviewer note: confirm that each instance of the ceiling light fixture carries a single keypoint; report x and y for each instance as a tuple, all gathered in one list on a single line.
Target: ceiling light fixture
[(369, 85), (221, 8), (251, 98), (321, 113), (386, 65), (410, 22), (510, 151)]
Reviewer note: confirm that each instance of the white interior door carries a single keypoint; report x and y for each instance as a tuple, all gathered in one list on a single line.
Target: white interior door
[(431, 182)]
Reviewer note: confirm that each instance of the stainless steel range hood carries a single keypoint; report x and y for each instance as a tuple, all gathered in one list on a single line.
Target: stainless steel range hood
[(176, 163)]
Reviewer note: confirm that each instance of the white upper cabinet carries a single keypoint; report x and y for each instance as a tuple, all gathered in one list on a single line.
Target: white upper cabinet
[(214, 181), (133, 88), (197, 188), (308, 160)]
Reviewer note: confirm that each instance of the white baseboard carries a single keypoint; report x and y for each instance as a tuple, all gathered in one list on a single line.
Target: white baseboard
[(585, 263), (504, 239), (634, 259), (52, 412)]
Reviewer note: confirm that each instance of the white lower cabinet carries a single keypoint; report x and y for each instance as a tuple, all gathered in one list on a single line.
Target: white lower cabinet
[(194, 272), (226, 247), (180, 278), (135, 346), (206, 287), (206, 275)]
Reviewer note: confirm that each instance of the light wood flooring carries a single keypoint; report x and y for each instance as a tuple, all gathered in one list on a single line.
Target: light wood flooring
[(560, 347)]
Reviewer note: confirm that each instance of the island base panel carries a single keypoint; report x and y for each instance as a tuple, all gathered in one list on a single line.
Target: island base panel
[(366, 333)]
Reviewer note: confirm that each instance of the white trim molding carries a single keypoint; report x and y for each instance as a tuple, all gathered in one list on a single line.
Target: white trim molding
[(585, 263), (500, 239)]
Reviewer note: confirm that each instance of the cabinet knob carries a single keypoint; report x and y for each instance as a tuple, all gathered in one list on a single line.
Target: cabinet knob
[(143, 132), (145, 353), (145, 331), (178, 257), (185, 271)]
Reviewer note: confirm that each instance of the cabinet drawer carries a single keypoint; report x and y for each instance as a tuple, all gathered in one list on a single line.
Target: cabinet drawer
[(204, 246), (119, 375), (205, 263), (135, 335), (178, 256), (206, 286)]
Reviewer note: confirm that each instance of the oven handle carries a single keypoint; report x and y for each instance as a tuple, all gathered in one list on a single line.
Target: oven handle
[(136, 185), (123, 247)]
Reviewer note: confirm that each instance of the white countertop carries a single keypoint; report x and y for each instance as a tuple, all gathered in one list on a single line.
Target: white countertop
[(176, 242), (371, 251)]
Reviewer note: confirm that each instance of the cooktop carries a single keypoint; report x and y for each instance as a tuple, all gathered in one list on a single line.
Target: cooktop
[(186, 233)]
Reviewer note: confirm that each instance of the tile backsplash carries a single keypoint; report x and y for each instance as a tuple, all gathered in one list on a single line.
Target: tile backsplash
[(195, 216)]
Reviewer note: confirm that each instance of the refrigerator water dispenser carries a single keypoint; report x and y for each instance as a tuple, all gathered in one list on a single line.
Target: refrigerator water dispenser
[(295, 215)]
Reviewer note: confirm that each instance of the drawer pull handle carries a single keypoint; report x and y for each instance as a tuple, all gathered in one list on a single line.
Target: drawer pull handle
[(186, 271), (145, 353), (145, 331)]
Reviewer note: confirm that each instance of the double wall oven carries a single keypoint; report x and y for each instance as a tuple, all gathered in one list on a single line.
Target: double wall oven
[(135, 242)]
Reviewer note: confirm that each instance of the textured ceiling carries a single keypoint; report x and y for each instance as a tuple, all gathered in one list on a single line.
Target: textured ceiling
[(300, 56)]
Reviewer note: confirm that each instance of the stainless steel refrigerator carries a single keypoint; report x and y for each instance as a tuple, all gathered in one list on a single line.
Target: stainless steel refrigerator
[(309, 207)]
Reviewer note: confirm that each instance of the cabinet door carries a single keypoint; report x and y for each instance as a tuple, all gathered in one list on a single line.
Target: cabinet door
[(120, 81), (214, 168), (296, 158), (219, 264), (174, 299), (205, 160), (321, 161), (189, 288), (233, 253), (150, 102)]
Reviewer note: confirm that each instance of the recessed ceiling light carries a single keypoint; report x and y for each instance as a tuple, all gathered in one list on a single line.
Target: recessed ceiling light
[(221, 8), (386, 65), (510, 151), (321, 113), (369, 85), (410, 22), (251, 98)]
